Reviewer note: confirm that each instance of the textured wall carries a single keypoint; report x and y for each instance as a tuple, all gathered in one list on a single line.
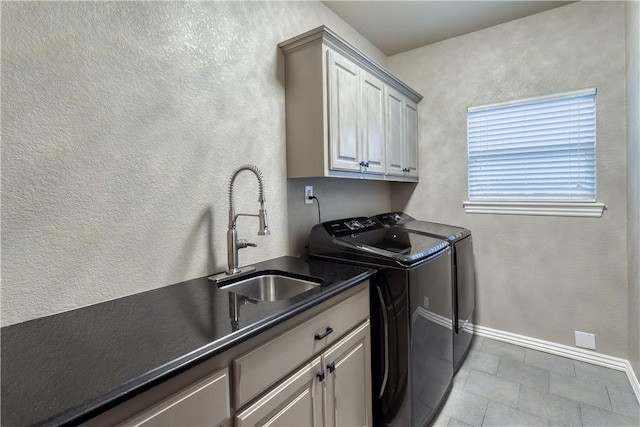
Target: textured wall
[(339, 198), (121, 124), (542, 277), (633, 177)]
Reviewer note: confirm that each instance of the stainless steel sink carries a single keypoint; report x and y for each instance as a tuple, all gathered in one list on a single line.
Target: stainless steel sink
[(271, 287)]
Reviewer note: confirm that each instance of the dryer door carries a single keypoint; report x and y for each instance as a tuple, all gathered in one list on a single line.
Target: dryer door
[(464, 294)]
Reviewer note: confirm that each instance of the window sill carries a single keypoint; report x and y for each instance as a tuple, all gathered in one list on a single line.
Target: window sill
[(589, 210)]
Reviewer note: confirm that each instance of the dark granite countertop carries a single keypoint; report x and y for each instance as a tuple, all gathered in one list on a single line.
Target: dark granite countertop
[(69, 367)]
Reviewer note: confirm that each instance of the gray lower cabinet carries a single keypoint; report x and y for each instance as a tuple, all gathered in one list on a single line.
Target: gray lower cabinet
[(348, 381), (296, 401), (204, 403), (311, 370), (332, 389)]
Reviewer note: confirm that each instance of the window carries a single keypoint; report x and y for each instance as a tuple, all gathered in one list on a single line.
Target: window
[(534, 157)]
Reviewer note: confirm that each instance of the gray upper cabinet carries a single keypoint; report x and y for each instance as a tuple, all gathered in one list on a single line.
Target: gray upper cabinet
[(402, 135), (411, 138), (394, 133), (373, 119), (346, 115), (344, 90)]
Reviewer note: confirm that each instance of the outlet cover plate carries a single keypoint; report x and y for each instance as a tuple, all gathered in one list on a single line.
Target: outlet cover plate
[(585, 340), (308, 192)]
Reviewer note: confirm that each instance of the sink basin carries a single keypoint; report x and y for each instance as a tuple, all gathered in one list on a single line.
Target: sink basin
[(272, 286)]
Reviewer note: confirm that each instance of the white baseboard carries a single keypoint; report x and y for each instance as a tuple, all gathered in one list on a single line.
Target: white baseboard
[(574, 353)]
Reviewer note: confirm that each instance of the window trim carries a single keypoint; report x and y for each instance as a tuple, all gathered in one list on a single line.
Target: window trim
[(577, 209), (590, 209), (580, 92)]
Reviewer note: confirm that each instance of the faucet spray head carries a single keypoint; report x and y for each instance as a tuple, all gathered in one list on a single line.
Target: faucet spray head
[(264, 227)]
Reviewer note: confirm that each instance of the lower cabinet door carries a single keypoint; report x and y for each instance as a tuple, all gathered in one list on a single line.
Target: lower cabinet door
[(348, 384), (297, 401), (205, 403)]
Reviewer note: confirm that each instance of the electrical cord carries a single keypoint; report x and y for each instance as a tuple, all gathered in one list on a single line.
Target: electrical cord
[(318, 202)]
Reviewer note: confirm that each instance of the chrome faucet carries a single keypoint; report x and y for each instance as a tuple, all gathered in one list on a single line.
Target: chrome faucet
[(235, 302), (233, 243)]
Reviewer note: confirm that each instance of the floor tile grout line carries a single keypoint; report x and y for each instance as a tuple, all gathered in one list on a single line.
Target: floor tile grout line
[(518, 400), (580, 402), (490, 399), (613, 410), (577, 402), (595, 380), (484, 414), (585, 404), (524, 410), (609, 397), (466, 379)]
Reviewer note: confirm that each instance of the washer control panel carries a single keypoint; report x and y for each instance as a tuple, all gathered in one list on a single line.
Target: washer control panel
[(345, 227), (393, 218)]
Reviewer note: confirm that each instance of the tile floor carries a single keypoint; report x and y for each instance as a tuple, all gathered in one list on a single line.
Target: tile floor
[(501, 384)]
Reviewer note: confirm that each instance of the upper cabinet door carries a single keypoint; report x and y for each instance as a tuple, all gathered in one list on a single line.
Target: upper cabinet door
[(394, 132), (411, 138), (372, 129), (344, 95)]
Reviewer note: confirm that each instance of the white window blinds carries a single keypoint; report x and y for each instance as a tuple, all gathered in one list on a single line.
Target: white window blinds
[(541, 149)]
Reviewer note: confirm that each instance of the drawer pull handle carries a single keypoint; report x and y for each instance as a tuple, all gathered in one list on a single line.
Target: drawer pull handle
[(331, 367), (326, 332)]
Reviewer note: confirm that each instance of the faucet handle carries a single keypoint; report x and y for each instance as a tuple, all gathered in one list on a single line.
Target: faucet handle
[(248, 300), (242, 243)]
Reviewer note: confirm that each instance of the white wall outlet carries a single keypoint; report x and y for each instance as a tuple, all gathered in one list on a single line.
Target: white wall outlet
[(585, 340), (308, 192), (426, 303)]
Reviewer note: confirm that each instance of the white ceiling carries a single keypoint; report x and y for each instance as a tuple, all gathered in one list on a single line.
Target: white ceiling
[(398, 26)]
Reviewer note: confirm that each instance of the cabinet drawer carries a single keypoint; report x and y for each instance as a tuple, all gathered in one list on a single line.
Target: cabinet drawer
[(205, 403), (262, 367), (296, 401)]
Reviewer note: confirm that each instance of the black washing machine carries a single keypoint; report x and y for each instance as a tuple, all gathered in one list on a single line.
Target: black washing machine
[(462, 273), (411, 316)]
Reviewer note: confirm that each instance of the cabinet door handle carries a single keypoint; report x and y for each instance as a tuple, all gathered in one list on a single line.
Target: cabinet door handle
[(331, 367), (320, 376), (364, 164), (324, 335)]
